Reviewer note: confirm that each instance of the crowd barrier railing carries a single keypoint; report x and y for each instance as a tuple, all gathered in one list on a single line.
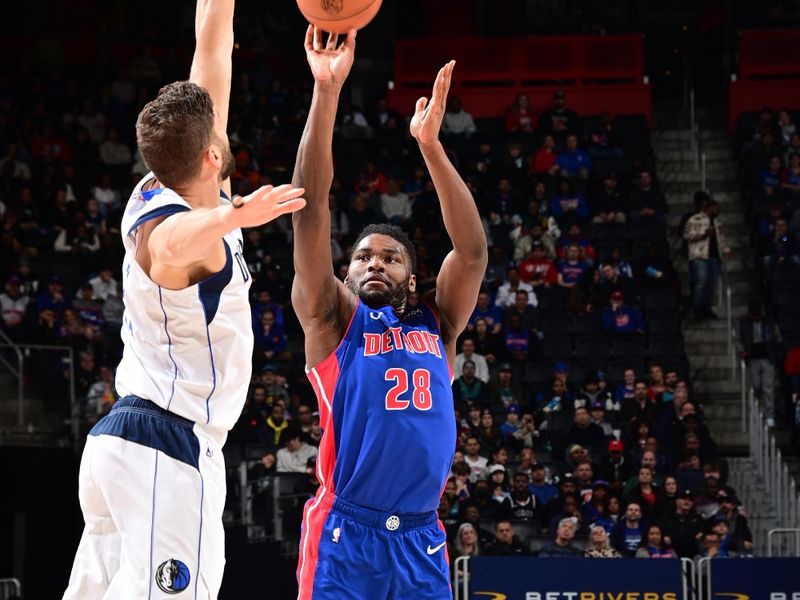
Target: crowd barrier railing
[(10, 588), (783, 541)]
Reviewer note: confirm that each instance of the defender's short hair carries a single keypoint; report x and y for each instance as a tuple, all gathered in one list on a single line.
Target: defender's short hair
[(393, 232)]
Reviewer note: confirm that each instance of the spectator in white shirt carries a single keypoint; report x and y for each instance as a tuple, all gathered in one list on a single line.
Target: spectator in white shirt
[(113, 152), (468, 353), (13, 304), (458, 122), (507, 293), (104, 285), (395, 205), (294, 457)]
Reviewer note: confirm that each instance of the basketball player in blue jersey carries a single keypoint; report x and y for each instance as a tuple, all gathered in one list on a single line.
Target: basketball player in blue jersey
[(152, 476), (381, 373)]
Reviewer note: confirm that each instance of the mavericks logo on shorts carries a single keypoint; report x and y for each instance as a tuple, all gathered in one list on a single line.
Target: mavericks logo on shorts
[(172, 576)]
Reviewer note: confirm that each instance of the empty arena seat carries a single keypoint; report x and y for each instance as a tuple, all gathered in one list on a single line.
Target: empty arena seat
[(666, 345)]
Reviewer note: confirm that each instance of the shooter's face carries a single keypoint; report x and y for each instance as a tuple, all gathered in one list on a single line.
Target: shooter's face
[(380, 272)]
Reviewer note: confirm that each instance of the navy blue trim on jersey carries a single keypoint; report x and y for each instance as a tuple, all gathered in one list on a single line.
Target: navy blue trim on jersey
[(211, 289), (164, 211), (224, 195), (143, 422)]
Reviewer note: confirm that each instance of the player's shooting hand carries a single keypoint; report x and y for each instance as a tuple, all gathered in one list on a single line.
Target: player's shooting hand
[(328, 63), (267, 203), (427, 119)]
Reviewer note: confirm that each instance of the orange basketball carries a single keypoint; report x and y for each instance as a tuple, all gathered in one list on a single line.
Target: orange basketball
[(337, 16)]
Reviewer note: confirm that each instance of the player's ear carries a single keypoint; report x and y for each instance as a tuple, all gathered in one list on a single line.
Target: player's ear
[(412, 283), (214, 155)]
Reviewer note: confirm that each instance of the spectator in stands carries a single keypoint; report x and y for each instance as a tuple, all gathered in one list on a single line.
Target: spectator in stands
[(707, 247), (741, 538), (520, 505), (487, 344), (790, 182), (710, 547), (518, 343), (573, 162), (466, 543), (629, 531), (458, 124), (293, 457), (473, 459), (562, 546), (506, 293), (640, 407), (511, 425), (559, 120), (468, 353), (599, 546), (604, 141), (612, 282), (472, 515), (620, 318), (653, 545), (275, 429), (543, 491), (615, 467), (101, 396), (395, 205), (608, 205), (488, 432), (520, 119), (491, 314), (544, 160), (575, 235), (591, 393), (626, 389), (648, 202), (14, 304), (571, 268), (537, 269), (568, 205), (769, 179), (504, 392), (682, 528), (527, 314), (758, 342), (647, 495), (468, 389), (527, 436), (786, 126), (271, 338), (779, 248), (584, 432), (481, 498)]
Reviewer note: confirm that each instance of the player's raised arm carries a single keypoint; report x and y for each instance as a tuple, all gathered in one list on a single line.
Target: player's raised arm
[(212, 63), (319, 299), (463, 268)]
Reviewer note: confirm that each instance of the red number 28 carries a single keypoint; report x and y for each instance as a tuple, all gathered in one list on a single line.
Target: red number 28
[(421, 395)]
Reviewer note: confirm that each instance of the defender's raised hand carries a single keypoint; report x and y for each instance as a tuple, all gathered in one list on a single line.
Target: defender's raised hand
[(329, 63), (267, 203), (427, 120)]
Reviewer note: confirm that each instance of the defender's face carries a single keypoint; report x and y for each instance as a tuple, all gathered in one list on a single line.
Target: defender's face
[(380, 272)]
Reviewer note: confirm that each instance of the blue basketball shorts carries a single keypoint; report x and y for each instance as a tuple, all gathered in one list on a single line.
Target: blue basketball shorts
[(349, 552)]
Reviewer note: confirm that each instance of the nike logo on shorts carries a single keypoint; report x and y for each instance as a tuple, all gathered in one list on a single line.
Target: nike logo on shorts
[(432, 551)]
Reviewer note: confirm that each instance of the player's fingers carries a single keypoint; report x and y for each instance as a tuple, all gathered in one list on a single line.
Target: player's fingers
[(282, 195), (333, 39), (436, 85), (350, 40), (449, 79), (259, 193), (317, 39), (309, 41), (421, 104), (290, 206)]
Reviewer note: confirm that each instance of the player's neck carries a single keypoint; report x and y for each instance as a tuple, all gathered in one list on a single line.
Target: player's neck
[(201, 193)]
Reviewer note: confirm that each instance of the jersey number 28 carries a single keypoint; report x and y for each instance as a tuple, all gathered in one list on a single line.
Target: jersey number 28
[(421, 395)]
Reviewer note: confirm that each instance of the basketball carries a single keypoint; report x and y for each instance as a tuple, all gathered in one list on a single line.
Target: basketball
[(337, 16)]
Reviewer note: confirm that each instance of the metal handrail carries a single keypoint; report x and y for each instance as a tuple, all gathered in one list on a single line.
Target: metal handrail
[(461, 585), (21, 356), (689, 578), (8, 342), (774, 532), (10, 584), (703, 578)]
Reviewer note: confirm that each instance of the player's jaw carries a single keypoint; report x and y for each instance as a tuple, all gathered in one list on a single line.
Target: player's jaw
[(376, 290)]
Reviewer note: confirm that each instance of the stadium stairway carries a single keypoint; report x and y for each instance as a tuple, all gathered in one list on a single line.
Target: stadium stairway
[(715, 383), (758, 505)]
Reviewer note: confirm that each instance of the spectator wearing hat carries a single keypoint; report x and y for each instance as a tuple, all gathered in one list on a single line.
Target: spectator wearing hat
[(599, 545), (682, 528), (559, 120), (539, 487), (758, 342), (53, 297), (468, 353), (591, 393), (741, 538), (608, 204), (584, 432), (562, 546), (537, 269), (13, 306), (504, 391), (597, 413), (497, 475), (512, 423), (468, 389), (615, 467), (520, 505), (274, 391), (505, 541), (653, 545), (620, 318), (629, 531)]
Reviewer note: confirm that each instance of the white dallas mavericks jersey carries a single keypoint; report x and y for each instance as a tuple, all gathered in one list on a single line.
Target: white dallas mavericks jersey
[(190, 350)]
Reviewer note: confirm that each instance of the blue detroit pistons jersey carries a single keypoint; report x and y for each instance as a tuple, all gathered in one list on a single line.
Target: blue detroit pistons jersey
[(386, 409)]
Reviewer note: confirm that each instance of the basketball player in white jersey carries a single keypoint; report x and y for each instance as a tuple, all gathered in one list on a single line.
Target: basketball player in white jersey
[(152, 477)]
